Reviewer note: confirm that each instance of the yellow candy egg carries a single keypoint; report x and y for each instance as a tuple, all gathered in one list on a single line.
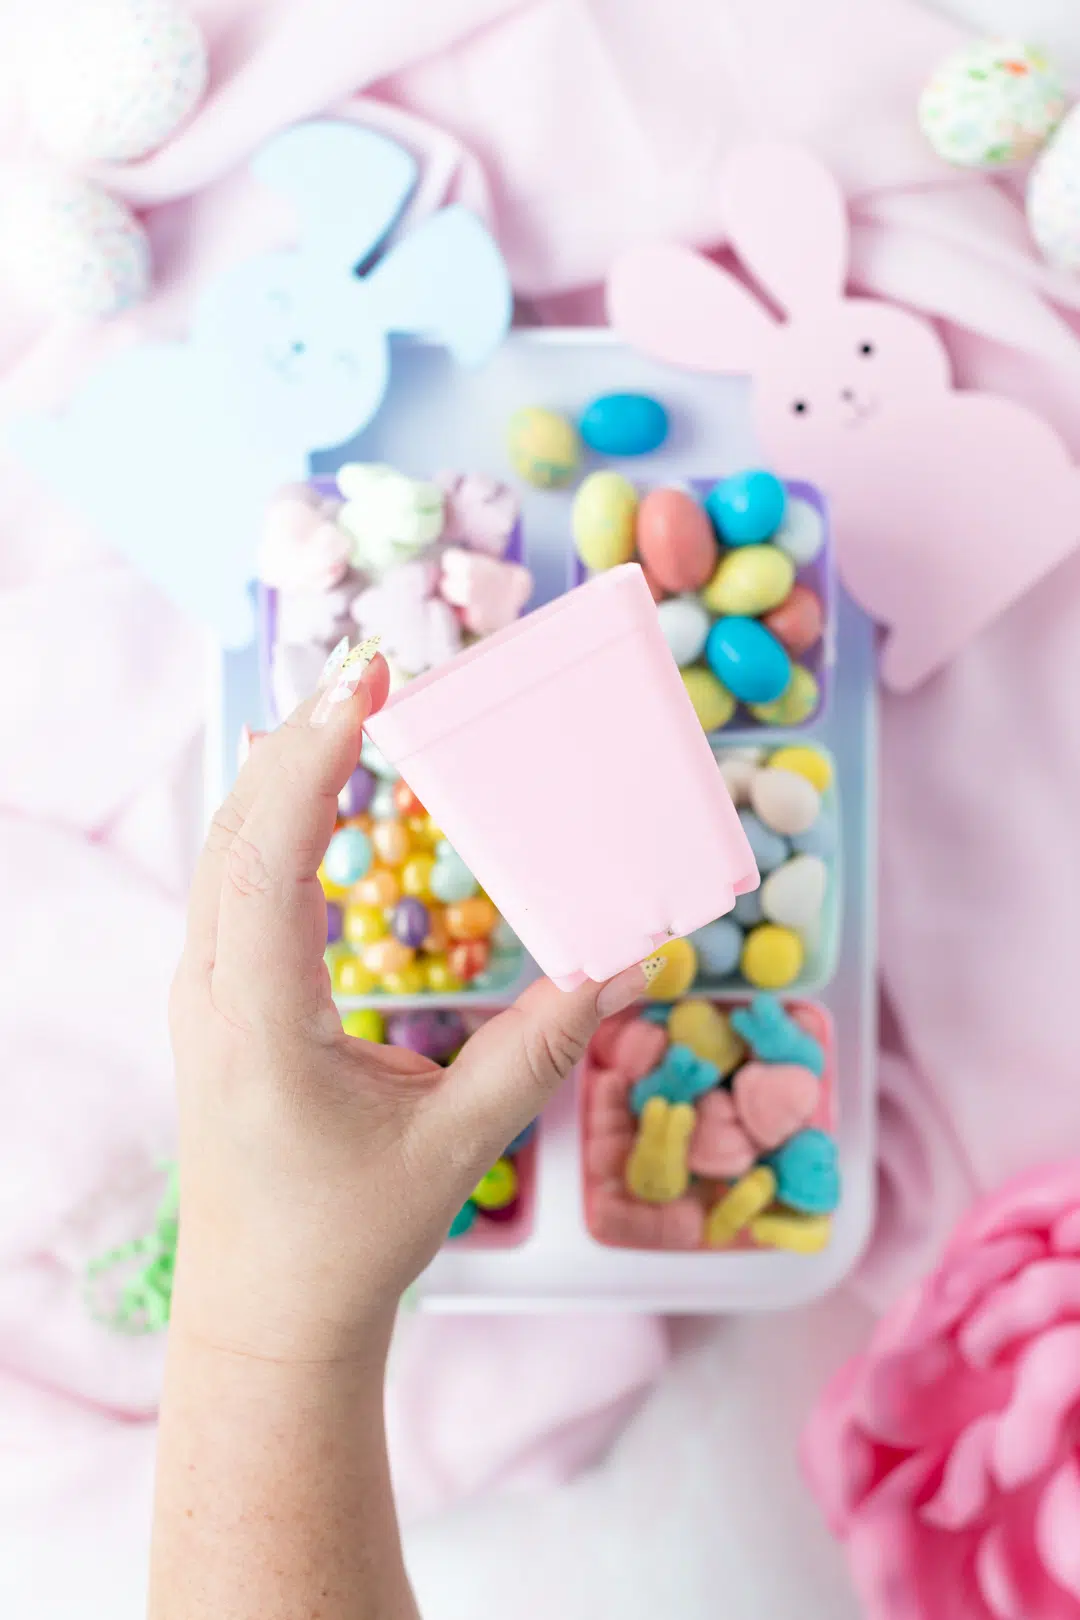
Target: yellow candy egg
[(380, 888), (678, 972), (386, 956), (750, 580), (471, 919), (392, 842), (771, 956), (740, 1205), (713, 703), (423, 832), (544, 447), (416, 876), (406, 981), (602, 520), (361, 924), (788, 1229), (365, 1025), (808, 762), (498, 1188), (440, 976), (350, 977), (707, 1031), (795, 704)]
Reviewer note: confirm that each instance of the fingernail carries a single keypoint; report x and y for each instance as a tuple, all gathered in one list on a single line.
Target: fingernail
[(344, 678), (333, 664), (653, 966), (621, 991)]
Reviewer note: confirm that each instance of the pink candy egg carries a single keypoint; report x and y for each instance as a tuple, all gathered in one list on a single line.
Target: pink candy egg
[(799, 620), (675, 540)]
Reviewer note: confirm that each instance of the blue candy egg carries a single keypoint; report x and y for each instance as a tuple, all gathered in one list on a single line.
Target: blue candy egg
[(747, 912), (747, 659), (768, 848), (719, 946), (348, 858), (624, 425), (818, 839), (807, 1172), (746, 508)]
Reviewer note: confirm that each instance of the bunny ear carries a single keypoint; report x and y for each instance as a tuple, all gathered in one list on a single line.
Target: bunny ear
[(347, 185), (445, 280), (672, 303), (787, 220)]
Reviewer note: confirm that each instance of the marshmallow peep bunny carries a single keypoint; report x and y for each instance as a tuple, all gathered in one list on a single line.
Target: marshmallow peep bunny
[(173, 450), (946, 505)]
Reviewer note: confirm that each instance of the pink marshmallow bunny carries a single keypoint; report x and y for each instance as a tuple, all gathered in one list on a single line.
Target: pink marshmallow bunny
[(489, 593), (418, 630), (946, 505)]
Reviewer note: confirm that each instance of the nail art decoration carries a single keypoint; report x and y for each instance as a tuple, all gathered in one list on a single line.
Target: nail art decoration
[(344, 679), (333, 664), (652, 967)]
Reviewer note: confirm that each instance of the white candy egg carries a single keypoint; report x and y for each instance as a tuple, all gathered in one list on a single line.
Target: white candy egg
[(685, 624), (802, 533), (992, 104), (794, 893), (1053, 197), (69, 248), (785, 801)]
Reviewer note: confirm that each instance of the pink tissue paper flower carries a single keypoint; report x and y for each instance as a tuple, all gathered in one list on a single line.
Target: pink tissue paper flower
[(947, 1455)]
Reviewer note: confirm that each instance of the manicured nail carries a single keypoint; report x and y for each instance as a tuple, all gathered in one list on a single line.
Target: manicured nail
[(653, 966), (333, 664), (621, 991), (345, 679)]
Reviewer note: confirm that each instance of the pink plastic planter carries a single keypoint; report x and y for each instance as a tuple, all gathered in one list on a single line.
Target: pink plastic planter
[(564, 762)]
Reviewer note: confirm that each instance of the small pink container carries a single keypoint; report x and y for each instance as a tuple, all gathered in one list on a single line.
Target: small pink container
[(563, 760)]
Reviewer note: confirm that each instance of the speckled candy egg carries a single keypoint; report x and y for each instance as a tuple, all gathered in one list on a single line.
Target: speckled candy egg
[(748, 659), (685, 624), (602, 520), (544, 447), (750, 580), (993, 103), (675, 539), (1053, 197), (68, 248), (624, 425)]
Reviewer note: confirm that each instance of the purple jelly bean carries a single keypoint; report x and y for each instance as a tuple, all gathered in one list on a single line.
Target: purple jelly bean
[(356, 795), (410, 922), (432, 1034), (333, 923)]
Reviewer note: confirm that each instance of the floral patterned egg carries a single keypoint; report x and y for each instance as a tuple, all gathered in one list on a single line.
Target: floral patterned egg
[(993, 104), (1053, 197)]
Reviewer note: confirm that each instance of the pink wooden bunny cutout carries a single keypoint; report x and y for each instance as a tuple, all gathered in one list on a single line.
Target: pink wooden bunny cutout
[(947, 505)]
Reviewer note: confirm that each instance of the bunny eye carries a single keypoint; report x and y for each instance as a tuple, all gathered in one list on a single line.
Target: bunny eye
[(866, 348), (800, 407)]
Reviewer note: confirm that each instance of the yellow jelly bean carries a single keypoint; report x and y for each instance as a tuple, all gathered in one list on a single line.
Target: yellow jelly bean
[(365, 1025), (713, 703), (379, 888), (471, 919), (544, 447), (350, 977), (788, 1229), (416, 876), (771, 956), (796, 702), (750, 580), (386, 956), (656, 1170), (808, 762), (739, 1206), (707, 1031), (677, 974), (361, 924), (392, 842), (602, 520), (332, 891), (498, 1188), (422, 831), (440, 975), (405, 981)]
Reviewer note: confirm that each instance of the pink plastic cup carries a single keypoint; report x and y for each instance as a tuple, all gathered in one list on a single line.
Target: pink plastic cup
[(564, 762)]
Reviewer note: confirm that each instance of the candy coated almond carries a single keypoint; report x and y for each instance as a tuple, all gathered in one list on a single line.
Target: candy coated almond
[(675, 539), (799, 621)]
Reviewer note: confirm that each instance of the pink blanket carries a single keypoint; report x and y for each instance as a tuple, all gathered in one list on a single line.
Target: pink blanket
[(578, 126)]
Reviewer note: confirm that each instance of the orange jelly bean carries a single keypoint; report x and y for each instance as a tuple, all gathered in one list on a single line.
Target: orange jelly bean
[(391, 842), (379, 888), (468, 958), (406, 802), (385, 956), (471, 919), (438, 939)]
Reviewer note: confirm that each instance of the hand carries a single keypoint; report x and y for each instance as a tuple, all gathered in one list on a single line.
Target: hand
[(319, 1173)]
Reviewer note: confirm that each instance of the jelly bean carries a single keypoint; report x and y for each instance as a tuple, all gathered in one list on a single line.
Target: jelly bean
[(680, 1077), (795, 704), (794, 894), (349, 977), (423, 833), (787, 1229), (523, 1138), (355, 797), (380, 888), (624, 425), (405, 981), (739, 1207), (718, 946), (544, 447), (678, 972), (463, 1221), (438, 939), (772, 956), (774, 1100), (767, 847), (638, 1048), (747, 909), (432, 1034), (750, 580), (405, 801), (799, 622), (707, 1031), (498, 1188), (450, 878), (807, 1172), (602, 520), (333, 923), (384, 956), (382, 805), (685, 624), (675, 539), (748, 659), (471, 919), (364, 923), (332, 891), (820, 839), (410, 922), (747, 507), (365, 1025), (785, 800), (713, 703), (391, 842), (656, 1170), (348, 857), (802, 533), (720, 1147), (416, 876), (775, 1037), (468, 958), (808, 762), (438, 975)]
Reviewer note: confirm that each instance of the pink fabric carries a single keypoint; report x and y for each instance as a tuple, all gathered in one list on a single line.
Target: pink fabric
[(594, 123)]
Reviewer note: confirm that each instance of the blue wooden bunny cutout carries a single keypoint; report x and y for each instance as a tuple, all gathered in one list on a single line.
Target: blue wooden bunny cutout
[(172, 450)]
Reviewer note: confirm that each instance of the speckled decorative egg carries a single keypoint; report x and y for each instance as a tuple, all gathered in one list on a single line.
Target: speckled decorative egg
[(544, 447), (1053, 197), (992, 104), (113, 80), (68, 248)]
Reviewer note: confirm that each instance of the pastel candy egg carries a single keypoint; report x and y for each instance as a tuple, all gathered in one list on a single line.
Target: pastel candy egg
[(439, 976), (387, 955), (774, 1100), (808, 762), (719, 946), (799, 621), (772, 956), (993, 103), (820, 839), (450, 878), (382, 806), (350, 977), (602, 520), (348, 857), (405, 981), (738, 773), (435, 1034), (794, 894), (356, 796), (405, 801), (713, 703), (802, 533), (391, 841), (471, 919), (379, 888), (498, 1188), (747, 909), (747, 507), (678, 972), (468, 958), (334, 923), (1052, 197), (750, 580), (795, 704), (707, 1031), (739, 1206), (544, 447), (785, 800), (416, 876), (748, 660), (624, 425), (807, 1172), (787, 1229), (410, 921), (365, 1025), (675, 539), (766, 846), (685, 625), (363, 923)]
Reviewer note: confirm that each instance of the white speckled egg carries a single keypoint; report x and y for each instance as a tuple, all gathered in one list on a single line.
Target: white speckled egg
[(685, 624), (113, 80), (992, 104), (794, 894), (784, 801), (1053, 197), (69, 248)]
